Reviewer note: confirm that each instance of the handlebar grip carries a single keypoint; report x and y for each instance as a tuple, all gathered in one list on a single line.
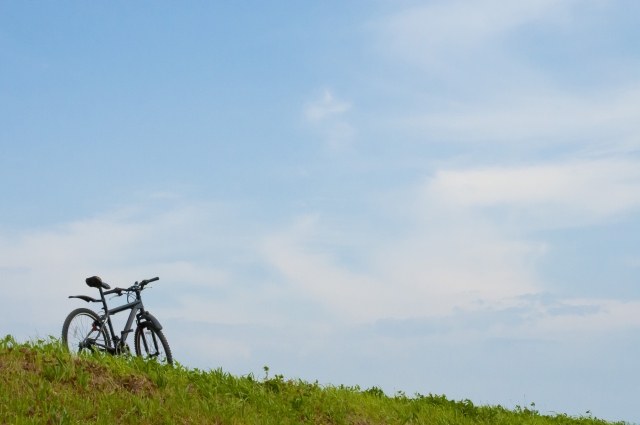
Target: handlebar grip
[(147, 281)]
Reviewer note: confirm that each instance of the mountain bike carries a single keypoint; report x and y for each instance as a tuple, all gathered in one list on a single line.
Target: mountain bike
[(84, 329)]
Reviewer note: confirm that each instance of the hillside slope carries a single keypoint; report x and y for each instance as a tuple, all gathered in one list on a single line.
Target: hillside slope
[(40, 383)]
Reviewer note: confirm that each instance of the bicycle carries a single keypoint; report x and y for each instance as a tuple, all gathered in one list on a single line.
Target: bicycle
[(84, 329)]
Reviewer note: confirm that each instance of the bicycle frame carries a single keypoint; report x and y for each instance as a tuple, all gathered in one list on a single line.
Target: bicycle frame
[(137, 309)]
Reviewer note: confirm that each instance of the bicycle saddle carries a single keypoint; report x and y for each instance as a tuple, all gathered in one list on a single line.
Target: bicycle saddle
[(96, 282)]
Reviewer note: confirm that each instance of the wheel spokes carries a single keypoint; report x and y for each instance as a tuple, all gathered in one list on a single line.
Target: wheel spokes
[(152, 347), (81, 329)]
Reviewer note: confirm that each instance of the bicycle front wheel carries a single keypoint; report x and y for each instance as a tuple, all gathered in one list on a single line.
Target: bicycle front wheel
[(151, 344), (81, 332)]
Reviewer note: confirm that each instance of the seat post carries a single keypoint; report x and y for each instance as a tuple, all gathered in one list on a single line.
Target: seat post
[(104, 301), (106, 311)]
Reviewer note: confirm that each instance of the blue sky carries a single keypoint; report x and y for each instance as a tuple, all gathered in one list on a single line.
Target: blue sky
[(425, 196)]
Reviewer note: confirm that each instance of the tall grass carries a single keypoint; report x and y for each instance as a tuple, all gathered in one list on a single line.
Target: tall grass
[(41, 383)]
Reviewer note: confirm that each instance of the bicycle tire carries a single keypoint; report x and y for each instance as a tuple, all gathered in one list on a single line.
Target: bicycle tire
[(147, 344), (79, 328)]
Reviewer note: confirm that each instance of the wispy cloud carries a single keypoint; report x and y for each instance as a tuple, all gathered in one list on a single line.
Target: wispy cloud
[(493, 93), (608, 120), (326, 107), (327, 115), (430, 33), (573, 192), (181, 244), (448, 261)]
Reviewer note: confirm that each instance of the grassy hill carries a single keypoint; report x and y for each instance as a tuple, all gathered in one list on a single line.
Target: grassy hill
[(40, 383)]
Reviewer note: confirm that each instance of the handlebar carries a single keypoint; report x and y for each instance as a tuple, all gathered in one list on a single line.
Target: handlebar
[(144, 282), (139, 286), (136, 287)]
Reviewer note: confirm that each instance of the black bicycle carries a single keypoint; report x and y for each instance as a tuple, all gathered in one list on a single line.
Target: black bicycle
[(86, 330)]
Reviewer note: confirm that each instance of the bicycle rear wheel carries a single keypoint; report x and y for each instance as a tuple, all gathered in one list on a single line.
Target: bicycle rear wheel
[(152, 344), (80, 332)]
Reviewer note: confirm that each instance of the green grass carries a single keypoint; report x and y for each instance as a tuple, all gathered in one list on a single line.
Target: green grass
[(41, 383)]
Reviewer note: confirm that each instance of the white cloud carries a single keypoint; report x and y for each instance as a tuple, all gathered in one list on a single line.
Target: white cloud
[(41, 267), (606, 120), (357, 296), (425, 33), (458, 274), (448, 255), (430, 273), (572, 193)]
